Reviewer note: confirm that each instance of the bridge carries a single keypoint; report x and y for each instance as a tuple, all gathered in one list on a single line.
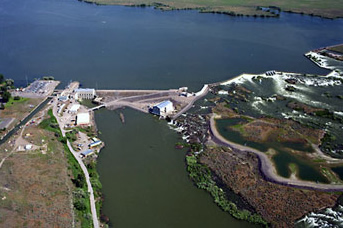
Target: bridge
[(97, 107)]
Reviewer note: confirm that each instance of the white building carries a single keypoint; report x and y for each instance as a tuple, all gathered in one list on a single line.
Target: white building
[(74, 108), (83, 119), (84, 94), (28, 147), (162, 109)]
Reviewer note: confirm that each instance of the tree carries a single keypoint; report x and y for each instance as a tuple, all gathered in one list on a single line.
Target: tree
[(2, 78), (6, 96), (9, 82)]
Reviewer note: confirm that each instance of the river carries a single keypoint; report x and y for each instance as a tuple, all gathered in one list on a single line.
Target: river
[(107, 47)]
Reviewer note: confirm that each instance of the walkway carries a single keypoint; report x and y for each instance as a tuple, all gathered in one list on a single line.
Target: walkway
[(266, 166)]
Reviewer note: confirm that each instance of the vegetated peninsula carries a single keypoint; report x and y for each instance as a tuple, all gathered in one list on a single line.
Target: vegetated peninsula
[(269, 8), (275, 140)]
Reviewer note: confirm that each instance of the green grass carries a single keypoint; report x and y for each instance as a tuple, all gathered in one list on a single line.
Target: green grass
[(12, 102), (328, 8), (319, 160), (97, 186), (330, 175), (293, 168)]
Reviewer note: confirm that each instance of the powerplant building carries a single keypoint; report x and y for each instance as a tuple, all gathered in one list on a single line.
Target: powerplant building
[(162, 109), (84, 94)]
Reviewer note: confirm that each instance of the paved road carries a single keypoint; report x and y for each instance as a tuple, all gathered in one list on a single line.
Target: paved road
[(267, 167), (85, 171), (187, 107), (165, 94)]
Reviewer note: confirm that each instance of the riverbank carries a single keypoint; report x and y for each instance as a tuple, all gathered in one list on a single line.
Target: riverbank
[(203, 179), (332, 9), (267, 168), (239, 172)]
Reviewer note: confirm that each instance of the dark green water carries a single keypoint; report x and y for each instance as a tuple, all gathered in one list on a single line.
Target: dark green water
[(282, 159), (145, 180), (339, 171)]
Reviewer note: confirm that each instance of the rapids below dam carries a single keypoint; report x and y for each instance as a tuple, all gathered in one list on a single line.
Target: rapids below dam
[(144, 178)]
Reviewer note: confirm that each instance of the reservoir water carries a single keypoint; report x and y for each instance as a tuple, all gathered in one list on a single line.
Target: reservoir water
[(125, 47), (144, 179)]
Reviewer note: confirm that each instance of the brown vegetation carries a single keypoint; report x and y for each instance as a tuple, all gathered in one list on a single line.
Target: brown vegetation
[(280, 205), (268, 129), (35, 187)]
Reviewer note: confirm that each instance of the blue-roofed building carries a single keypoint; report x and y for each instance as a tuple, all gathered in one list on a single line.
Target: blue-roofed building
[(162, 109), (86, 153)]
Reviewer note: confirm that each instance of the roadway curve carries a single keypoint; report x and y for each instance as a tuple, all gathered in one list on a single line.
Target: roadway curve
[(203, 92), (266, 167)]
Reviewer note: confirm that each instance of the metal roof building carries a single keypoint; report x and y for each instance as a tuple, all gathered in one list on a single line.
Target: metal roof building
[(93, 144), (87, 153), (82, 118), (74, 108), (163, 108)]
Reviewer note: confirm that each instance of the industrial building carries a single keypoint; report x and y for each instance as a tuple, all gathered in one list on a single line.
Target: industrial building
[(83, 119), (162, 109), (94, 144), (86, 153), (84, 94)]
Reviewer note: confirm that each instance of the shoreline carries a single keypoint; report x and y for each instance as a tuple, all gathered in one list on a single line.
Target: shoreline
[(232, 10), (267, 168)]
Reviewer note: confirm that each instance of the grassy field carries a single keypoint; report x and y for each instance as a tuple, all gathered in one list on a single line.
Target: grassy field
[(18, 109), (328, 8), (35, 187)]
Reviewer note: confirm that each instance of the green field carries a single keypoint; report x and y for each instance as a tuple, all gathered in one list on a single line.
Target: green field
[(328, 8)]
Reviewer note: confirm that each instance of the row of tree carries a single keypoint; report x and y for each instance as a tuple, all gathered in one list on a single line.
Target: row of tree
[(5, 85)]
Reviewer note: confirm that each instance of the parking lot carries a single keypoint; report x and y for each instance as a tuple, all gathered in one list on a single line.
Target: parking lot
[(37, 89)]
